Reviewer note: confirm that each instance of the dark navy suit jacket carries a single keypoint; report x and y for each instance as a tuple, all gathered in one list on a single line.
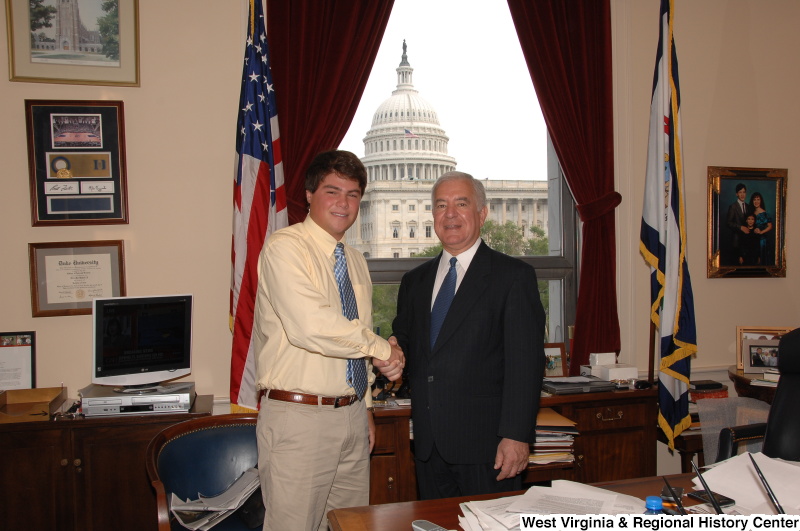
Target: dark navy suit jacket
[(482, 380)]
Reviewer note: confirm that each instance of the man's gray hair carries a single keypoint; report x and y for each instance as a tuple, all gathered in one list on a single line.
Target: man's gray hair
[(477, 186)]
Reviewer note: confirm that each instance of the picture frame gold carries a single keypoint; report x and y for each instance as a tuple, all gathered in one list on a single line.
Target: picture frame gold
[(77, 162), (734, 249), (556, 363), (36, 57), (66, 276), (750, 334)]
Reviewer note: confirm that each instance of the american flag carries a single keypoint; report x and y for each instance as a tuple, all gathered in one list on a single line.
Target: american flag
[(259, 200), (663, 238), (409, 134)]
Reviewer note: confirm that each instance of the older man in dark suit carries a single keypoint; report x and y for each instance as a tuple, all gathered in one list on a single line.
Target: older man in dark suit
[(476, 368)]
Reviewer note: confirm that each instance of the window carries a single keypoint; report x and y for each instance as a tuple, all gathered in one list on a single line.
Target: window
[(547, 231), (412, 207)]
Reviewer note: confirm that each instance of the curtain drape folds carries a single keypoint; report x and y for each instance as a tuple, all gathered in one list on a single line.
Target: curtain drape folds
[(321, 52), (567, 46)]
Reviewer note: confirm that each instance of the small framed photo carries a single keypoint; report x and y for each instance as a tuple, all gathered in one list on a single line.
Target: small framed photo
[(17, 360), (760, 354), (746, 222), (78, 42), (555, 360), (67, 276), (747, 337)]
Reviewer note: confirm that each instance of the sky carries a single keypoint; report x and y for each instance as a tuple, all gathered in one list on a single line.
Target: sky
[(469, 66)]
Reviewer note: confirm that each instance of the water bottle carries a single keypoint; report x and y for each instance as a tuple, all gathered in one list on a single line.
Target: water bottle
[(654, 505)]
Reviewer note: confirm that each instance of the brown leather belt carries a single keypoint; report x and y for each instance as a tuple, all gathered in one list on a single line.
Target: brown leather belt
[(311, 400)]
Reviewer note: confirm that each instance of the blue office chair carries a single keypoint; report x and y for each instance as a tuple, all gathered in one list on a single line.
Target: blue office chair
[(204, 455), (781, 432)]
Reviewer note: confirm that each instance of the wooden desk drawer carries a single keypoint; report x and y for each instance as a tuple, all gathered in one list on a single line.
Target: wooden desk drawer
[(611, 416), (385, 437)]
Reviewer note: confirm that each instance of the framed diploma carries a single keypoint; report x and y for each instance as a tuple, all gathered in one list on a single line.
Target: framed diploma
[(17, 360), (76, 162), (67, 276)]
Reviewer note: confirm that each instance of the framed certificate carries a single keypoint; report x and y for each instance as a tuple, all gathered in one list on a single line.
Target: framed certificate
[(17, 360), (76, 162), (67, 276)]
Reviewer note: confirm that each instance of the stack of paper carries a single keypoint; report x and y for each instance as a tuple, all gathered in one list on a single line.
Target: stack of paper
[(206, 512), (554, 438), (564, 497), (736, 478)]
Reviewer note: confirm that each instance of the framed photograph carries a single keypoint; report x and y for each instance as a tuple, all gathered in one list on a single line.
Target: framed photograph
[(17, 360), (67, 276), (759, 355), (79, 42), (76, 162), (747, 337), (746, 222), (555, 360)]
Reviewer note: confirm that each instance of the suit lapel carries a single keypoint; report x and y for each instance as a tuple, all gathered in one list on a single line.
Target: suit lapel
[(469, 293)]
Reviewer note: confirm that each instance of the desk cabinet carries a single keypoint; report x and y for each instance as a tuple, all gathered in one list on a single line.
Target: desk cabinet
[(82, 475), (617, 433), (617, 441), (392, 474)]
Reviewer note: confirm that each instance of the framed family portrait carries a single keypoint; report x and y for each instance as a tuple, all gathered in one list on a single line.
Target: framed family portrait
[(17, 360), (746, 222), (67, 276), (748, 342), (79, 42), (76, 162), (556, 363)]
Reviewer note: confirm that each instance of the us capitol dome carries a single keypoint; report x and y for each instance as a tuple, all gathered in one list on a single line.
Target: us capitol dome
[(405, 151)]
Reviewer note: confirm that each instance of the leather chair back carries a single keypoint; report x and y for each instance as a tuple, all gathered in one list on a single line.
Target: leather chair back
[(782, 438), (203, 455)]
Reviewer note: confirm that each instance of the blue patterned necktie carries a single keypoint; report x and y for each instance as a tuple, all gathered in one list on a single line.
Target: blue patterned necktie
[(356, 368), (443, 299)]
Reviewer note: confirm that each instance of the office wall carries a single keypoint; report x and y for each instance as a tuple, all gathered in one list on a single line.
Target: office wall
[(737, 82)]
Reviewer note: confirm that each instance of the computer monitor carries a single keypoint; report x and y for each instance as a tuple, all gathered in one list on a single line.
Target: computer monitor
[(141, 341)]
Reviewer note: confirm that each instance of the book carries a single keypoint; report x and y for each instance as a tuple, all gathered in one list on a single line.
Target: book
[(698, 385), (771, 376)]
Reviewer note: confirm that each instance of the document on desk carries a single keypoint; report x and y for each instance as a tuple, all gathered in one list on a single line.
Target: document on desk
[(563, 497), (736, 478)]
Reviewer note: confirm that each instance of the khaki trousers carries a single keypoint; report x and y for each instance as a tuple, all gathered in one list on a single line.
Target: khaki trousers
[(311, 459)]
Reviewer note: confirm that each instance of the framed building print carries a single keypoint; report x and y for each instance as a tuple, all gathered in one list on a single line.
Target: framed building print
[(67, 276), (746, 222), (79, 42), (76, 162)]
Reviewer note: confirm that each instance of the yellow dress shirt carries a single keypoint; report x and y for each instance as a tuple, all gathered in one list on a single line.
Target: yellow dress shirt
[(301, 340)]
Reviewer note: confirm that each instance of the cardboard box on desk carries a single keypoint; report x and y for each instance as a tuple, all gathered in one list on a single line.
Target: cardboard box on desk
[(618, 371), (27, 405)]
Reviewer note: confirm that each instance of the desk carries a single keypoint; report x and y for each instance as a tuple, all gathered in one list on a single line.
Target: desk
[(398, 516), (617, 441), (688, 444), (84, 474), (741, 382)]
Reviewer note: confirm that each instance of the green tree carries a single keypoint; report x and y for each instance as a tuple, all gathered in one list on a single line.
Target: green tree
[(539, 245), (507, 238), (384, 307), (109, 29), (431, 251), (41, 16)]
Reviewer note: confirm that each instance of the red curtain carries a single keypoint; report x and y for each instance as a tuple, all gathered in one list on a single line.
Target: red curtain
[(321, 53), (567, 46)]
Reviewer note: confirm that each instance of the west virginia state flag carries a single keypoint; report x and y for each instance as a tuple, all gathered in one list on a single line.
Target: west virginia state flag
[(663, 238)]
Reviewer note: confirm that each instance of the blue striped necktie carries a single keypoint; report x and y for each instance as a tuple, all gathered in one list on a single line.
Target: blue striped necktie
[(443, 299), (356, 368)]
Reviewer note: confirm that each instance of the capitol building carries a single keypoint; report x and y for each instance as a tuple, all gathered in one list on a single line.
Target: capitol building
[(405, 151)]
